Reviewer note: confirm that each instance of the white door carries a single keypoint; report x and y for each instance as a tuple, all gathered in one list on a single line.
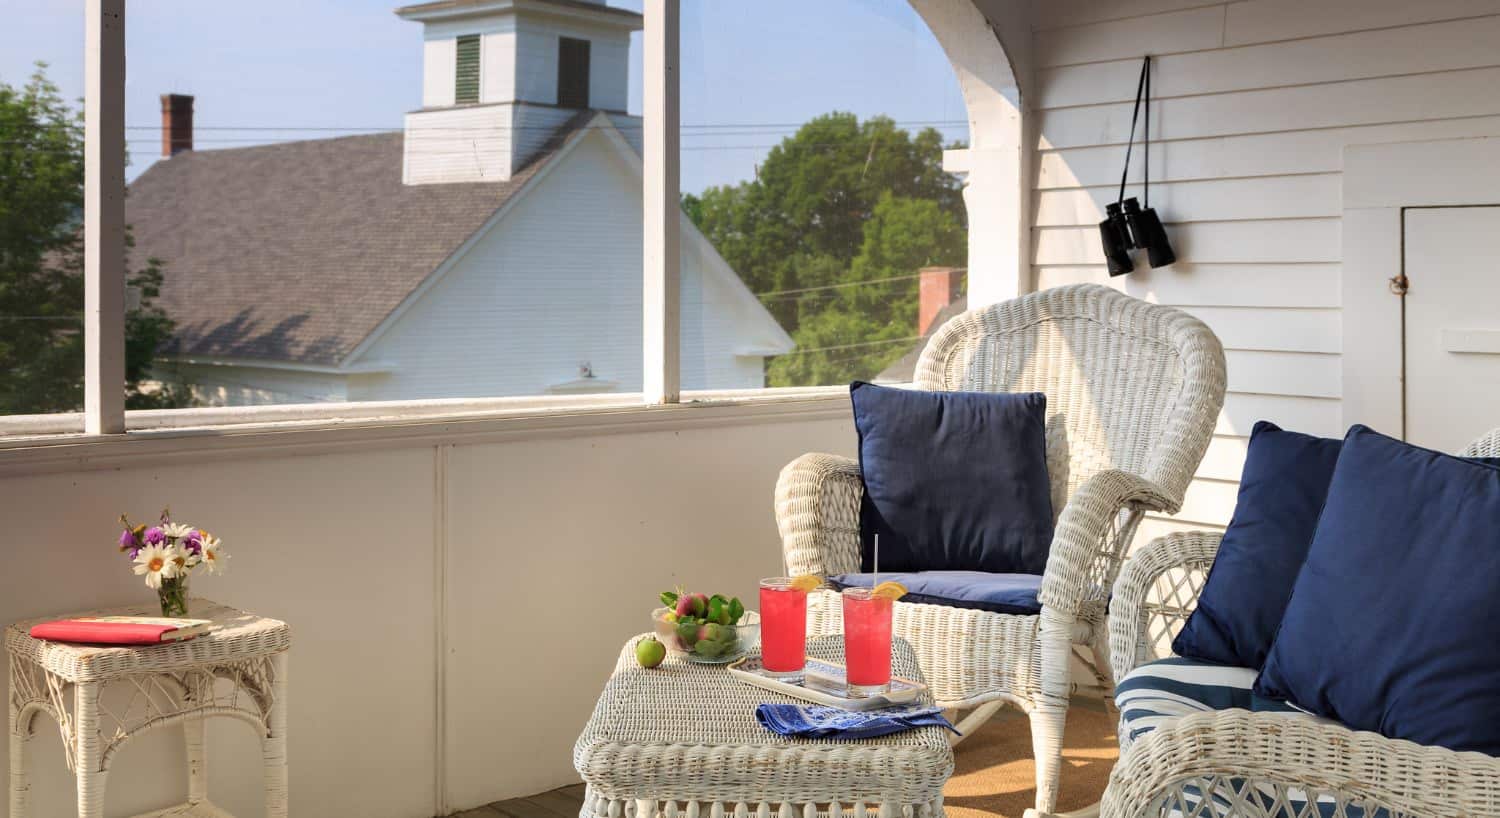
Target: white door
[(1452, 325)]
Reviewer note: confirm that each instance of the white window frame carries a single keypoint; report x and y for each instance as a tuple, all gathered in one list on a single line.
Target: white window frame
[(104, 418)]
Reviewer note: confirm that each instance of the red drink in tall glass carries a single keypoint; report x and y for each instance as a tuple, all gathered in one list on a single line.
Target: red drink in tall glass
[(783, 627), (867, 641)]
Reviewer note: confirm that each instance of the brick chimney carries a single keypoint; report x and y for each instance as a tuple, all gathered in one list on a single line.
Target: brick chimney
[(939, 286), (176, 124)]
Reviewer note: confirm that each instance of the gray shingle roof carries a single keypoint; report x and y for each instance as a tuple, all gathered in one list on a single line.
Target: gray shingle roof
[(905, 367), (297, 251)]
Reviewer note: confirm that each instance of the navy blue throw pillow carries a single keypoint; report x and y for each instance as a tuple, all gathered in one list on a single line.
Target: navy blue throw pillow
[(1393, 622), (1282, 490), (954, 481)]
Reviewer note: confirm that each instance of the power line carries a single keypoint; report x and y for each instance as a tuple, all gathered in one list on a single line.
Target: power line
[(852, 346), (709, 127)]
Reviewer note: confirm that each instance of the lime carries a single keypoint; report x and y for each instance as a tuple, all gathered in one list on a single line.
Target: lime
[(650, 652)]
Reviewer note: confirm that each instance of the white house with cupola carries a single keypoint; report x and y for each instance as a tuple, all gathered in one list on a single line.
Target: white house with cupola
[(492, 247)]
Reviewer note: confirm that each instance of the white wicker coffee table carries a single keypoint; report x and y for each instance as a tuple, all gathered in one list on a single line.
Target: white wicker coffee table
[(682, 740), (102, 696)]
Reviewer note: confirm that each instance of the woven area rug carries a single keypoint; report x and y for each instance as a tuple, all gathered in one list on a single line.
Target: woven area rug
[(994, 774)]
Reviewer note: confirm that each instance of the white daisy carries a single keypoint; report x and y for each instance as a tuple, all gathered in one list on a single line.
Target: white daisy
[(156, 562), (212, 556), (185, 560), (176, 531)]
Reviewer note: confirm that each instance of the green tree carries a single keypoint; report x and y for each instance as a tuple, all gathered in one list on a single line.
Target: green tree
[(41, 264), (853, 332), (812, 199)]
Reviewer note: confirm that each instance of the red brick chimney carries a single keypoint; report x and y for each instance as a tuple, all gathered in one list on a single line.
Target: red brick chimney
[(939, 286), (176, 124)]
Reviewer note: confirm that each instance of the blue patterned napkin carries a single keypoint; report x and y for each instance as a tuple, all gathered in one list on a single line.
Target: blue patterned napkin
[(820, 721)]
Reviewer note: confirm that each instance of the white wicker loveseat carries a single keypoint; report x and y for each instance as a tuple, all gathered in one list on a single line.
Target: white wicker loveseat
[(1261, 764), (1133, 393)]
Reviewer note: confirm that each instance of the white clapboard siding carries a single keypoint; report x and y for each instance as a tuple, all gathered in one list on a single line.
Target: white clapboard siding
[(1272, 329), (1439, 95), (1312, 415), (1284, 373), (1209, 501), (1256, 102), (1225, 458), (1060, 13), (1154, 526), (1306, 285), (1187, 30), (1430, 47), (1267, 20), (1242, 156), (1304, 196), (1236, 242)]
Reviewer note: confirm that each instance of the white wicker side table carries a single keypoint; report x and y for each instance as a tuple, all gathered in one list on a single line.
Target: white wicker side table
[(682, 740), (118, 693)]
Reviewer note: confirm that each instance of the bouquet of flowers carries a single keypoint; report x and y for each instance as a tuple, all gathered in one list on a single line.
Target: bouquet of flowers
[(166, 554)]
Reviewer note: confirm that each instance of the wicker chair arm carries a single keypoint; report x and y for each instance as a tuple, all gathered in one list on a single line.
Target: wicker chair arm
[(817, 512), (1086, 544), (1223, 750), (1160, 580)]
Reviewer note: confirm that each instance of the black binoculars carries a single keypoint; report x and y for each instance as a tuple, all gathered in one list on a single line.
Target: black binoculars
[(1127, 226)]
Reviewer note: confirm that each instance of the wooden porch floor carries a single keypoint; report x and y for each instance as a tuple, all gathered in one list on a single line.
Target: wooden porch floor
[(993, 775)]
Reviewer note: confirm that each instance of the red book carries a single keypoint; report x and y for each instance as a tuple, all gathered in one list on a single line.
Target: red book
[(120, 630)]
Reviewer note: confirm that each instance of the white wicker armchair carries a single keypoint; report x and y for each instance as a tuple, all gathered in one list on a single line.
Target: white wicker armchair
[(1133, 392), (1266, 765)]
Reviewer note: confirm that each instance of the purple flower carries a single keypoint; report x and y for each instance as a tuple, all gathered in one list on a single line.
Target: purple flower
[(135, 551), (155, 536), (127, 540), (193, 542)]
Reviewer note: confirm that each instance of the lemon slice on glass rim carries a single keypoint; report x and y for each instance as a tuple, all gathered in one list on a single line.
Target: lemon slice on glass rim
[(888, 590), (806, 583)]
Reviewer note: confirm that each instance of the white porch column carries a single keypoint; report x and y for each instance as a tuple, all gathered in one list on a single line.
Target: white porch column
[(663, 222), (104, 218), (996, 187)]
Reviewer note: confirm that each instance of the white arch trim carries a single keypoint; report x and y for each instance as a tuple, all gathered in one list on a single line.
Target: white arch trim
[(988, 43)]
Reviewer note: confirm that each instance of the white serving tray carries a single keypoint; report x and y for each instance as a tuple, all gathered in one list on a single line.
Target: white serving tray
[(825, 682)]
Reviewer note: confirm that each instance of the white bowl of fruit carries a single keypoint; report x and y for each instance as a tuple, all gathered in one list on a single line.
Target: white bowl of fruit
[(708, 629)]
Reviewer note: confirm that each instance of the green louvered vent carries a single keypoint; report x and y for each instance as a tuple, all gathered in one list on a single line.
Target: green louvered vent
[(466, 77)]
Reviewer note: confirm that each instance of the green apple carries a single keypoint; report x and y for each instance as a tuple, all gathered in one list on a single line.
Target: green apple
[(650, 652)]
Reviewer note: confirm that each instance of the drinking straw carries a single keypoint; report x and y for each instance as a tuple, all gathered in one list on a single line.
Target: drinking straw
[(876, 583)]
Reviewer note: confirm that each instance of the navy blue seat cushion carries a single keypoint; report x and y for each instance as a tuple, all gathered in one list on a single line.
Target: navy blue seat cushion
[(996, 593), (954, 481), (1282, 490), (1394, 619)]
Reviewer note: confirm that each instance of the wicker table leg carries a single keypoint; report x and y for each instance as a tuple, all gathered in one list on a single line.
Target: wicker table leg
[(273, 746), (88, 754), (20, 786)]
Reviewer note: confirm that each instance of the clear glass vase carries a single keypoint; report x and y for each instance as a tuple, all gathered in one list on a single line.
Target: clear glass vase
[(173, 595)]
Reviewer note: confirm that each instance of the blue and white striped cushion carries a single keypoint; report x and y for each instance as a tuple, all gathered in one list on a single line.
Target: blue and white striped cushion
[(1159, 691)]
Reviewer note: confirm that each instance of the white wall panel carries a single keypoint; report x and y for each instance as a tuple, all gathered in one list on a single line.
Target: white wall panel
[(340, 546), (1257, 101)]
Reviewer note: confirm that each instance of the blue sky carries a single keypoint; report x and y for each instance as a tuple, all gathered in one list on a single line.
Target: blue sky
[(281, 69)]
